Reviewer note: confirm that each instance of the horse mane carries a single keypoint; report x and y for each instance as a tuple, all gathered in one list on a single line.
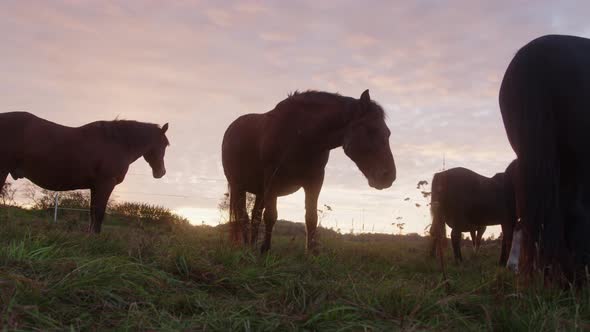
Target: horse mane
[(323, 98), (129, 132)]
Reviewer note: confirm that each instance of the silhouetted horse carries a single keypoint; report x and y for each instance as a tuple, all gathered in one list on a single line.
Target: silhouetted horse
[(545, 104), (468, 202), (276, 153), (95, 156)]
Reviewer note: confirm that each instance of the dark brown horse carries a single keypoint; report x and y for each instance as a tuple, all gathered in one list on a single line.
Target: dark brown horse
[(468, 202), (95, 156), (545, 104), (276, 153)]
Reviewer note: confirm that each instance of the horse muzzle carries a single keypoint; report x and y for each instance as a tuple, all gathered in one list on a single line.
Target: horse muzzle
[(159, 173), (382, 179)]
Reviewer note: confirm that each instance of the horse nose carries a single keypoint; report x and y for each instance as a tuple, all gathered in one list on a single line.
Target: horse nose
[(388, 175), (159, 174), (383, 178)]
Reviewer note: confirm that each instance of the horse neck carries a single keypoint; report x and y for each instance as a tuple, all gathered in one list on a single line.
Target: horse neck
[(138, 149), (134, 144), (326, 128), (135, 152)]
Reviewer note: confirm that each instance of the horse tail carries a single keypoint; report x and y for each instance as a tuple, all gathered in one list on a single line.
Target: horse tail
[(527, 105), (539, 176), (237, 204), (438, 230)]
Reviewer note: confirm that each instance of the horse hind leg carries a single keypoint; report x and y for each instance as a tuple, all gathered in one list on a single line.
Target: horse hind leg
[(256, 219), (438, 232), (456, 241), (238, 216)]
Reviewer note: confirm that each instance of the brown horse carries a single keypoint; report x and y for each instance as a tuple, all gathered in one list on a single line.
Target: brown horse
[(275, 153), (468, 202), (95, 156)]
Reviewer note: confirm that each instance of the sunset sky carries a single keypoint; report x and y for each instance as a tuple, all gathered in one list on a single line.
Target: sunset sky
[(435, 66)]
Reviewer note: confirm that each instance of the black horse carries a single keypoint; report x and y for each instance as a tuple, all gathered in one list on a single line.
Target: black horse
[(468, 202), (545, 104)]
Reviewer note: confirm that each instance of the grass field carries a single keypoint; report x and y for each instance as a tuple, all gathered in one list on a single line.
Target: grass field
[(56, 277)]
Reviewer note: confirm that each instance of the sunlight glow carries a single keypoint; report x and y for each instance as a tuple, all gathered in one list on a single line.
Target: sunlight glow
[(199, 216)]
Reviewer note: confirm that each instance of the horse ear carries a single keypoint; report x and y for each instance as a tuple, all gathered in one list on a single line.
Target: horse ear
[(364, 103), (365, 98), (165, 128)]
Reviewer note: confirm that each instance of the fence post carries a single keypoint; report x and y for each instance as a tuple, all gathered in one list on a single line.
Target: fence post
[(55, 206)]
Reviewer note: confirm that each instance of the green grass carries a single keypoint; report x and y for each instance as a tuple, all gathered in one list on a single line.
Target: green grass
[(56, 277)]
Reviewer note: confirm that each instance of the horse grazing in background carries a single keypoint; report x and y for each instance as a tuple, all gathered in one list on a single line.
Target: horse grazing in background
[(275, 153), (545, 104), (468, 202), (95, 156)]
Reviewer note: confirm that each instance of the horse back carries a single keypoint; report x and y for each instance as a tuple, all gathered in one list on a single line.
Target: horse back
[(549, 78), (464, 198), (54, 156), (13, 123)]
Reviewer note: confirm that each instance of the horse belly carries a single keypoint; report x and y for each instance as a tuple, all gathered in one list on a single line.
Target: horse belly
[(57, 182), (456, 223), (291, 177), (463, 222), (280, 187), (55, 174), (287, 189)]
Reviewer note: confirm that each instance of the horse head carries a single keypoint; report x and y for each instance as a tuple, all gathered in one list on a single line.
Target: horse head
[(366, 142), (155, 154)]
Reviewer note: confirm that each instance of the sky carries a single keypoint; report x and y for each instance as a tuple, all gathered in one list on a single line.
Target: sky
[(435, 67)]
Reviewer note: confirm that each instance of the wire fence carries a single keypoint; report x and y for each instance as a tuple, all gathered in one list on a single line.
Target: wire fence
[(336, 226)]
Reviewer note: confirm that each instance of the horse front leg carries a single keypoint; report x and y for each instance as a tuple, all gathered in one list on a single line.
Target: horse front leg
[(312, 193), (99, 197), (478, 238), (3, 175), (238, 215), (473, 235)]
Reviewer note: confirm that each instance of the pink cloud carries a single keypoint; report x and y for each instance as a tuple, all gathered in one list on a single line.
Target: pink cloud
[(200, 64)]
